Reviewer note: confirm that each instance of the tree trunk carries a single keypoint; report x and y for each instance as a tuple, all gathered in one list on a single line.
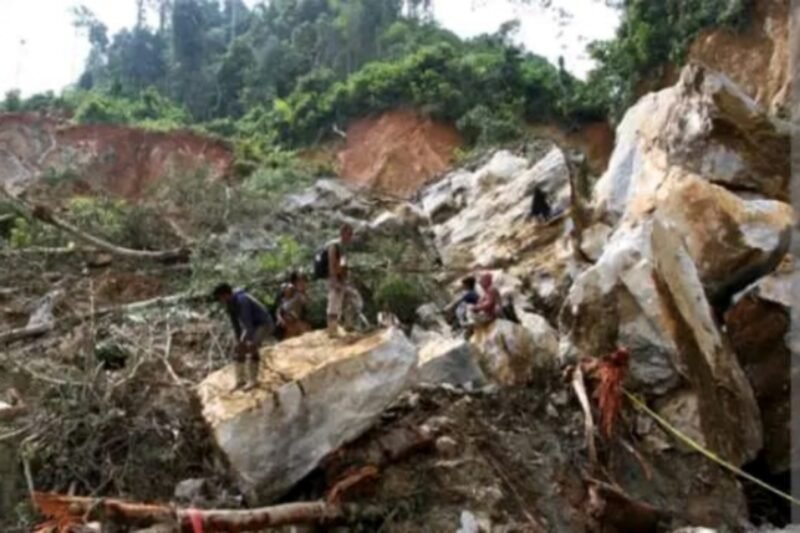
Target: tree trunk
[(77, 510), (45, 215)]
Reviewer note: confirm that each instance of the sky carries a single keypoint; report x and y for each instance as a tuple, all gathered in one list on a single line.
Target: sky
[(40, 50)]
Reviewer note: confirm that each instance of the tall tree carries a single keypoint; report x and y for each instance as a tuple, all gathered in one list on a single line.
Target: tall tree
[(189, 54)]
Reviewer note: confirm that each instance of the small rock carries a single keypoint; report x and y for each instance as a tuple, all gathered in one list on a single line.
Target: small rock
[(100, 261), (190, 490), (447, 446), (560, 398), (469, 524), (437, 424), (552, 412)]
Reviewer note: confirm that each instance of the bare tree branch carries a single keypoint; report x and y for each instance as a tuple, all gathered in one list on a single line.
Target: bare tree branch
[(45, 215)]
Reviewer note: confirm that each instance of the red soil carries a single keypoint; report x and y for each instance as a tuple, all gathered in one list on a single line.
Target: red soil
[(397, 152)]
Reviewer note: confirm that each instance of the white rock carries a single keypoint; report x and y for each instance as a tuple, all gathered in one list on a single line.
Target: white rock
[(447, 446), (704, 125), (314, 395), (190, 490), (448, 360), (500, 193), (594, 239), (508, 352), (669, 328)]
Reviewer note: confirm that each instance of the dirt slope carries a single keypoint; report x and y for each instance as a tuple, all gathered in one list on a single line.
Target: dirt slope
[(118, 159), (758, 59), (397, 152)]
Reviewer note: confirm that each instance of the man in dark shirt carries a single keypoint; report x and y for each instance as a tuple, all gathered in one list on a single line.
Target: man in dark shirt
[(468, 297), (252, 324)]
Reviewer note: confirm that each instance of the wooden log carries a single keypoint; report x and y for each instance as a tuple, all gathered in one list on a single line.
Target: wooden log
[(46, 215), (77, 510), (14, 335)]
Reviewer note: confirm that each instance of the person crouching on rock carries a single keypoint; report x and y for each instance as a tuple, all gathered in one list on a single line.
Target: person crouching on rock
[(490, 305), (460, 306), (252, 324), (540, 207)]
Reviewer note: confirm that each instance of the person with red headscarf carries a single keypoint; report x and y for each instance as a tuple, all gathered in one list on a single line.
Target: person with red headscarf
[(490, 305)]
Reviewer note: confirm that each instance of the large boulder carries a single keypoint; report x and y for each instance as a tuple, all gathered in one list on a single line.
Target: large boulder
[(500, 192), (315, 394), (328, 195), (615, 302), (509, 354), (448, 360), (645, 293), (729, 416), (758, 326), (732, 240), (715, 166), (706, 126)]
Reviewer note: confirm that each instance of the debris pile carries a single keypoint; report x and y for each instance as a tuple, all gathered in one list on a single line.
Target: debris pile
[(651, 307)]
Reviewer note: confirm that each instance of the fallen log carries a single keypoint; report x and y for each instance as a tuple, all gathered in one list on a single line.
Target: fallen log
[(44, 214), (69, 511), (579, 386), (161, 301), (14, 335)]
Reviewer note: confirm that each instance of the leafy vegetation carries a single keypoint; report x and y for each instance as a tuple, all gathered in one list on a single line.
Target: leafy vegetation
[(402, 296), (287, 73), (651, 36)]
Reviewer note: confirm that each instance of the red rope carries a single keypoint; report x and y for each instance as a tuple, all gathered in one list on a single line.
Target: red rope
[(611, 373)]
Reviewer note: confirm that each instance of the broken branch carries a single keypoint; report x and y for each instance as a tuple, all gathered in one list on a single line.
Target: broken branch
[(79, 510), (579, 386), (46, 215), (13, 335)]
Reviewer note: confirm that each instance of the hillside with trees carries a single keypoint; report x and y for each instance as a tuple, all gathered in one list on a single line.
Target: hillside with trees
[(289, 73)]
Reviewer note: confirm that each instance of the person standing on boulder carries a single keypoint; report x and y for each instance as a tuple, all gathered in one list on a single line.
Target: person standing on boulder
[(332, 263), (252, 324)]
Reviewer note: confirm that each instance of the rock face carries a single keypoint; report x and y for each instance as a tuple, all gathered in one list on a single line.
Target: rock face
[(729, 416), (757, 59), (448, 360), (500, 192), (758, 325), (509, 353), (119, 160), (537, 255), (695, 210), (645, 293), (703, 126), (314, 396)]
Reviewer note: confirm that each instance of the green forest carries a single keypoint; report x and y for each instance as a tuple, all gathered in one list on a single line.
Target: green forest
[(289, 73)]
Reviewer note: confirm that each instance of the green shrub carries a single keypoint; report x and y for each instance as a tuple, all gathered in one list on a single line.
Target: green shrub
[(651, 36), (27, 234), (99, 216), (289, 255), (99, 109), (480, 126), (401, 296)]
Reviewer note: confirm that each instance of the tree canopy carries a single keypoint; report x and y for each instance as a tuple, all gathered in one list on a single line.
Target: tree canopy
[(287, 72)]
